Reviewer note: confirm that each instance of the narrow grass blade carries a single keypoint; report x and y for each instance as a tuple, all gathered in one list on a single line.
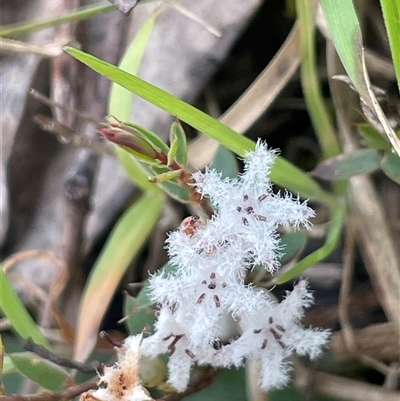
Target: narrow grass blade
[(79, 14), (15, 311), (310, 82), (122, 246), (283, 172), (183, 111), (391, 16), (346, 36), (120, 101)]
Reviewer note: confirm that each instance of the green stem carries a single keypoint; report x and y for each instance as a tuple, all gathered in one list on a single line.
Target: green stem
[(311, 86)]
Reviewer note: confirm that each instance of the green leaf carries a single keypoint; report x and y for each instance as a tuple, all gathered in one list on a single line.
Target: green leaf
[(15, 311), (45, 373), (120, 100), (139, 310), (168, 176), (332, 240), (229, 385), (139, 156), (391, 16), (8, 366), (134, 169), (346, 165), (183, 111), (287, 175), (176, 191), (225, 162), (292, 244), (373, 138), (178, 141), (151, 137), (139, 314), (346, 36), (390, 165), (290, 393), (283, 172)]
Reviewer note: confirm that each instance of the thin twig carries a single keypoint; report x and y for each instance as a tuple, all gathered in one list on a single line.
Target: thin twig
[(200, 383), (44, 50), (343, 388), (66, 135), (51, 103), (67, 394), (43, 352), (344, 297), (379, 341), (344, 302)]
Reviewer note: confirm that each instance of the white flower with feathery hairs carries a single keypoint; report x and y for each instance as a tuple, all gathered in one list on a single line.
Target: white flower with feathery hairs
[(208, 315), (248, 212), (121, 382)]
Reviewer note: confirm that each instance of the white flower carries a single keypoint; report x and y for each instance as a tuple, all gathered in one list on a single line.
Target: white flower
[(272, 333), (248, 211), (208, 315), (121, 382)]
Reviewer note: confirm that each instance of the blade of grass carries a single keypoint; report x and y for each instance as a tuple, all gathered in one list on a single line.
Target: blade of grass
[(346, 36), (120, 103), (391, 16), (15, 311), (332, 239), (79, 14), (124, 242), (183, 111), (120, 100), (311, 86), (283, 173)]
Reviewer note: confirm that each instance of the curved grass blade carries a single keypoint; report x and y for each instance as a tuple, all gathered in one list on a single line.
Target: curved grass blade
[(316, 106), (391, 16), (15, 311), (122, 246), (346, 35), (283, 172), (120, 100), (183, 111)]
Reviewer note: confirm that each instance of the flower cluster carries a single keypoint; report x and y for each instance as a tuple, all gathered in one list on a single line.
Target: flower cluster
[(208, 315), (121, 382)]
